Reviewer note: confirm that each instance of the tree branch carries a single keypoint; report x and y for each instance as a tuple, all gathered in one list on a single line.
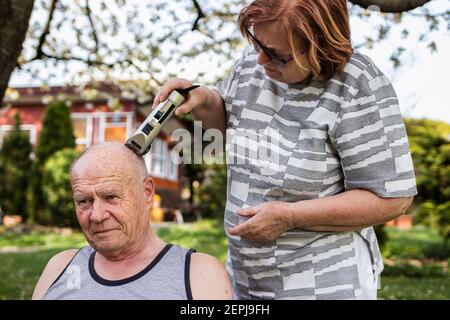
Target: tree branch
[(94, 32), (428, 14), (200, 15), (391, 6), (46, 31), (90, 63), (129, 61)]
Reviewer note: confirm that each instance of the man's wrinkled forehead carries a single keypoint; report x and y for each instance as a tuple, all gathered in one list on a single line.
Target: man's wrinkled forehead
[(109, 159), (90, 169), (102, 163)]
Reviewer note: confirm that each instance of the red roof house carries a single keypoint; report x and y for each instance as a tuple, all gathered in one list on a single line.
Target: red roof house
[(105, 112)]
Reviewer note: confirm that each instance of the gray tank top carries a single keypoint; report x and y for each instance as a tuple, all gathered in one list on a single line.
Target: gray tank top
[(165, 278)]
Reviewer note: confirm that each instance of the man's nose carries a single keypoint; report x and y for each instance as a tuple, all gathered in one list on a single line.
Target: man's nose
[(99, 212)]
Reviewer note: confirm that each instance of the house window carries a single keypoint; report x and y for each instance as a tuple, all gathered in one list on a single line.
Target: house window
[(116, 134), (158, 155), (82, 129), (173, 163), (29, 129), (159, 162), (116, 126)]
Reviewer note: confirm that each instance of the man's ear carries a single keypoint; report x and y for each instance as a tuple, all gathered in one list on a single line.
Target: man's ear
[(149, 189)]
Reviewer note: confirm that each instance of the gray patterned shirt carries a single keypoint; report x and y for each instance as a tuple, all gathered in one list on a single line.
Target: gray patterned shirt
[(323, 138)]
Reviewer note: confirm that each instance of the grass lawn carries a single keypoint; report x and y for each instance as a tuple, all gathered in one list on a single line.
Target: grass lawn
[(20, 271), (411, 243), (401, 288), (41, 241), (205, 236), (23, 257)]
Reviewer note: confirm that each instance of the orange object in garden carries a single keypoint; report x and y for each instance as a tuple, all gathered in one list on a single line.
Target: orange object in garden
[(10, 221), (157, 213)]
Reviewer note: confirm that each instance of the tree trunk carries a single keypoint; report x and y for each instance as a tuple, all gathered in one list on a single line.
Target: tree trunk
[(393, 6), (14, 19)]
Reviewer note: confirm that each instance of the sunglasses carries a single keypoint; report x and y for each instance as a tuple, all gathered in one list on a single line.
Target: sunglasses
[(279, 61)]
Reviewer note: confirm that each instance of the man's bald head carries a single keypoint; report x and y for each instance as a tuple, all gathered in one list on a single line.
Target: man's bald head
[(110, 157), (113, 197)]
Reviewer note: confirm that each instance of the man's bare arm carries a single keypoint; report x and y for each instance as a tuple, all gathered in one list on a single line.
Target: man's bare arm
[(53, 269), (208, 278)]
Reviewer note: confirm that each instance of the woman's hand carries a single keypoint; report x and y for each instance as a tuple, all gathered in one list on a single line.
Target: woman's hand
[(195, 99), (206, 104), (267, 222)]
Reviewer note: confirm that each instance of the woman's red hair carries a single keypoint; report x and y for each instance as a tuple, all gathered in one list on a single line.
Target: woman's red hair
[(319, 26)]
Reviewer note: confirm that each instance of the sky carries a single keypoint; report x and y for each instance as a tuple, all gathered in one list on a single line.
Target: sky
[(422, 82), (424, 88)]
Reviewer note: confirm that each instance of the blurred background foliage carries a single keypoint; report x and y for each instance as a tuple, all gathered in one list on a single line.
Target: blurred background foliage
[(15, 164), (57, 134), (430, 149), (56, 188)]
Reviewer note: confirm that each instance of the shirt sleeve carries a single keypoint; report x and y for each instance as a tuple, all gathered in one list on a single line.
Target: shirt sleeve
[(225, 87), (370, 138)]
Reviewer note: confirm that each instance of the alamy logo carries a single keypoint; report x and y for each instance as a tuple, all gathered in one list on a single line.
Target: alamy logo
[(242, 146), (73, 281), (371, 282)]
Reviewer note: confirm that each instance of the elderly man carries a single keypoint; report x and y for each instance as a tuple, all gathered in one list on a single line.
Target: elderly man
[(125, 259)]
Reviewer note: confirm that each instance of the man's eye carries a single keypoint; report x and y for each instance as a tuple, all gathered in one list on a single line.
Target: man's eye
[(111, 197), (83, 202)]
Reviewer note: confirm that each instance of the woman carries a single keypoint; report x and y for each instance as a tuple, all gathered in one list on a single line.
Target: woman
[(300, 227)]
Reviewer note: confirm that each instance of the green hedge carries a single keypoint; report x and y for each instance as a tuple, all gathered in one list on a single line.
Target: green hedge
[(59, 206)]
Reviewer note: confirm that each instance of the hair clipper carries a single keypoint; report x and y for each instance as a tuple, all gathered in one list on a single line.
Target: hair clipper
[(140, 142)]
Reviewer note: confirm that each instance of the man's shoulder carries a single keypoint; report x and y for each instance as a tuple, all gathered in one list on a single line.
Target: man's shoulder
[(61, 259), (209, 279), (51, 272), (203, 260)]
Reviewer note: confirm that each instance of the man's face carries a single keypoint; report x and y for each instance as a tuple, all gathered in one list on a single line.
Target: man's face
[(111, 204), (273, 37)]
